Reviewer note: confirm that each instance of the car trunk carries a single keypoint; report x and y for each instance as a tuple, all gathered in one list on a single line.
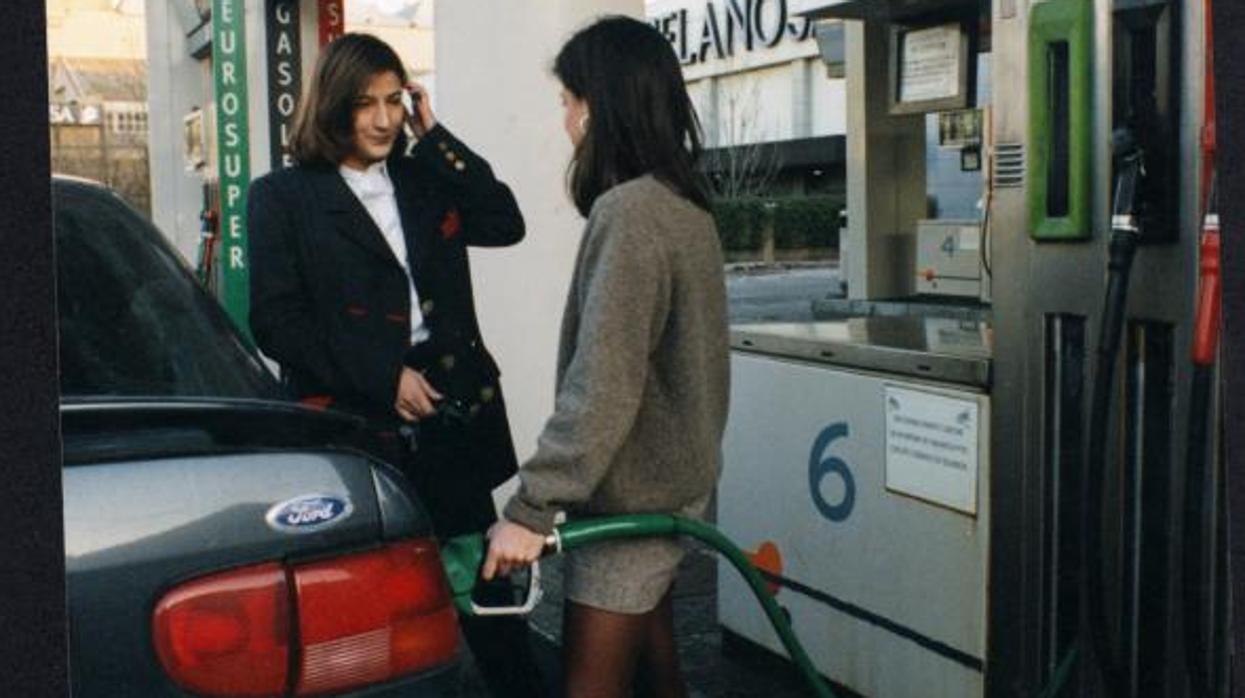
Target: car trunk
[(158, 494)]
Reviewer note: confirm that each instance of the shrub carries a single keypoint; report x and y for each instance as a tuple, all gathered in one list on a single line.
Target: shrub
[(799, 222), (804, 222), (739, 222)]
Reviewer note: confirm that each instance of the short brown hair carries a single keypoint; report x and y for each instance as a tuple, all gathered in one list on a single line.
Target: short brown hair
[(324, 125)]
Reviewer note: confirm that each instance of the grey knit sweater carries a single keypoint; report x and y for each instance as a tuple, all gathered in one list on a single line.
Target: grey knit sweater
[(643, 366)]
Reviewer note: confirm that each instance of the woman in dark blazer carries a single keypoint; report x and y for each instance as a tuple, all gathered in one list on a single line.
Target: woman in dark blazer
[(381, 322)]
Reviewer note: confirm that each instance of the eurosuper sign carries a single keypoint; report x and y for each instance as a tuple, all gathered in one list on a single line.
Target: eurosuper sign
[(730, 35), (233, 153)]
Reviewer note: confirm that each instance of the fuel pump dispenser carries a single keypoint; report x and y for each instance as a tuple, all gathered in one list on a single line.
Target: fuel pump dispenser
[(1146, 208), (1139, 578), (1095, 511), (209, 236)]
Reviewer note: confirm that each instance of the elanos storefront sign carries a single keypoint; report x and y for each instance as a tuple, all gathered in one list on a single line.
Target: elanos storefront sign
[(737, 33)]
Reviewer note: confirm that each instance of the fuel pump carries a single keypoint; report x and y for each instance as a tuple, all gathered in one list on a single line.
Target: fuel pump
[(209, 236)]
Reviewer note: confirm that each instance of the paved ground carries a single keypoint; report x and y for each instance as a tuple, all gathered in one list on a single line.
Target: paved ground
[(779, 293)]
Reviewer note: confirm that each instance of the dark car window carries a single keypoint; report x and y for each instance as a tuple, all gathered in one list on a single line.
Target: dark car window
[(133, 322)]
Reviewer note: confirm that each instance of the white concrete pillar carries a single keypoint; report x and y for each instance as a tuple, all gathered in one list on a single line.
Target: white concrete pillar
[(257, 86), (802, 77), (177, 82), (496, 92), (885, 173)]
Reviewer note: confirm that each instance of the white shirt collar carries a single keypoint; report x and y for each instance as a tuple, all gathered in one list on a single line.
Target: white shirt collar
[(369, 183), (374, 171)]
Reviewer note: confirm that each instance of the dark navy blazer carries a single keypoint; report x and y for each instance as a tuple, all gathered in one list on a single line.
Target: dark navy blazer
[(329, 301)]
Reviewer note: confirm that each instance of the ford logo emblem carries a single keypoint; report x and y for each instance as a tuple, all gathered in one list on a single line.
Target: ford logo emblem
[(308, 513)]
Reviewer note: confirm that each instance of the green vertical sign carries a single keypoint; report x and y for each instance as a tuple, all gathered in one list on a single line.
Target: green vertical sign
[(233, 152)]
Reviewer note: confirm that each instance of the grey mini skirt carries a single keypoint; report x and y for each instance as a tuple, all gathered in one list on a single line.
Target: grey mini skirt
[(626, 576)]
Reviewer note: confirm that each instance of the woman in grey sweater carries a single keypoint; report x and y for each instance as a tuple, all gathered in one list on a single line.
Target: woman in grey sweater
[(643, 360)]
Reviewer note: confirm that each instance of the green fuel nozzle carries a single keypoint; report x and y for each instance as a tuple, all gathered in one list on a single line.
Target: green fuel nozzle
[(464, 555)]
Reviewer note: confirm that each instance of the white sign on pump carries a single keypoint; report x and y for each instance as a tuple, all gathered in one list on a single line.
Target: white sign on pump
[(930, 67), (932, 447)]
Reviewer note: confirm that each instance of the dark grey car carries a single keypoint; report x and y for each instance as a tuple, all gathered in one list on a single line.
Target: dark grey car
[(219, 539)]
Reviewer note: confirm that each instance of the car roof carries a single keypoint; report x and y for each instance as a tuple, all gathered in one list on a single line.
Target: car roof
[(58, 178)]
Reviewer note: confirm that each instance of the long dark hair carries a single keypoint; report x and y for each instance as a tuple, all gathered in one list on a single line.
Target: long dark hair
[(640, 121), (324, 126)]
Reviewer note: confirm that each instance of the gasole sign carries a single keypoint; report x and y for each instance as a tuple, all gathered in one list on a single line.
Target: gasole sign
[(284, 77)]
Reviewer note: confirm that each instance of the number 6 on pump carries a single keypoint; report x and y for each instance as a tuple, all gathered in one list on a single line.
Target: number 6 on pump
[(821, 466)]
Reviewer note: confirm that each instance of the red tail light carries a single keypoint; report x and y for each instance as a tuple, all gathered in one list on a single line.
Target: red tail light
[(227, 634), (352, 621), (371, 617)]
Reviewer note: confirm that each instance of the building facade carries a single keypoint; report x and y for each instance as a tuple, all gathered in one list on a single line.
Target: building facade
[(97, 94), (771, 108)]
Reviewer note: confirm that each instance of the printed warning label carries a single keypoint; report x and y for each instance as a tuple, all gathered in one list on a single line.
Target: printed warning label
[(932, 447)]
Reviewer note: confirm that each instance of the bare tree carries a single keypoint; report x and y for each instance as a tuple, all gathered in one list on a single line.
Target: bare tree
[(744, 165)]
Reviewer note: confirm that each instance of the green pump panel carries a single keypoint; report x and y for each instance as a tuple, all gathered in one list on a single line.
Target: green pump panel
[(1060, 119)]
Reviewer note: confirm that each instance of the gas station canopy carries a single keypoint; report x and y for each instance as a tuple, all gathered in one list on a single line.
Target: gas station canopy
[(876, 9)]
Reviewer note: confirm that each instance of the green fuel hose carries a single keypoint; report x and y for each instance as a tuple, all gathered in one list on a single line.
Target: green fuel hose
[(463, 556)]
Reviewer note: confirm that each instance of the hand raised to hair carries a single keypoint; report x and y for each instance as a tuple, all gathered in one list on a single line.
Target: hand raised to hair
[(422, 120)]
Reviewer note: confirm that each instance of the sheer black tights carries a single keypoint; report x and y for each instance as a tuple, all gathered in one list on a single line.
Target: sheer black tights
[(610, 655)]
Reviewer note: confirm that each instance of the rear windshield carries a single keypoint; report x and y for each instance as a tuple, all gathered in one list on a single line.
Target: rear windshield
[(133, 322)]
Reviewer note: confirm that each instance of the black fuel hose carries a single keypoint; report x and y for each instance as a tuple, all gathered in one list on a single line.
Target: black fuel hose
[(1095, 603), (1125, 234), (1200, 520), (1198, 523)]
